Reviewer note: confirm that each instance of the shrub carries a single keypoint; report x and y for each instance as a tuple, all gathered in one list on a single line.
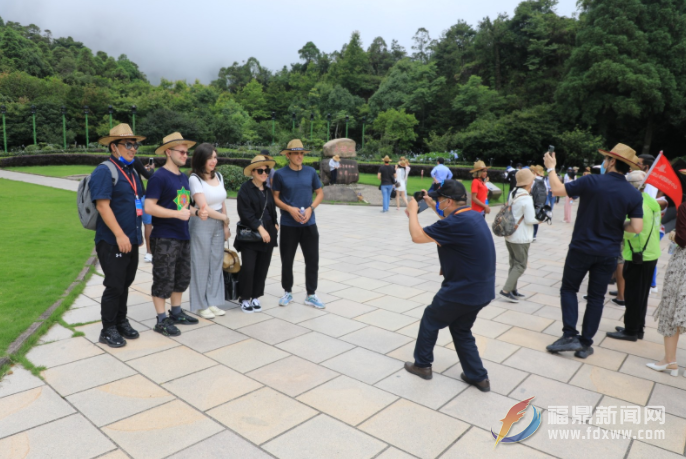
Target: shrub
[(233, 177)]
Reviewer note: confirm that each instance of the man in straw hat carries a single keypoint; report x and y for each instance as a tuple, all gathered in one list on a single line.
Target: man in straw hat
[(467, 256), (479, 188), (605, 202), (168, 201), (440, 173), (118, 230), (293, 187)]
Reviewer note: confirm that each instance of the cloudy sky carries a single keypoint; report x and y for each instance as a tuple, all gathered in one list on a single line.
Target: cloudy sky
[(193, 39)]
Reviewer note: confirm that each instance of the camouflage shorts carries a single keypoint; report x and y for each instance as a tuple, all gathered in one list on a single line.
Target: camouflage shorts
[(171, 266)]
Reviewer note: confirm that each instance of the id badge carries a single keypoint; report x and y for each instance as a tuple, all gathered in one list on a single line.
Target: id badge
[(139, 208)]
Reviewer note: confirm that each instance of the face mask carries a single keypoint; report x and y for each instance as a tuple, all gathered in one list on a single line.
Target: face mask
[(439, 211), (128, 163), (602, 168)]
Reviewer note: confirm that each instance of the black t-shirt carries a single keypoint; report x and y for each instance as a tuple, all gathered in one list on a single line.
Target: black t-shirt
[(467, 256), (605, 202), (387, 172)]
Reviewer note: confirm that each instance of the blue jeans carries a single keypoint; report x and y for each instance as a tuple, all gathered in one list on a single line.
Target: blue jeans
[(599, 271), (386, 192), (459, 318), (550, 200)]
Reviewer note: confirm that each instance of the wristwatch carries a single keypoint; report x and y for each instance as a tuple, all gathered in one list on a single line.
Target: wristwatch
[(196, 212)]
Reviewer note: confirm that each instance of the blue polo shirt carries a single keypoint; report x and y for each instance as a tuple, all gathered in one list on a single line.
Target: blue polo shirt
[(122, 202), (467, 256), (605, 203), (296, 188), (441, 173), (172, 191)]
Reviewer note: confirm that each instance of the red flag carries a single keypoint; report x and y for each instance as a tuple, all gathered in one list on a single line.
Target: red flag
[(662, 176)]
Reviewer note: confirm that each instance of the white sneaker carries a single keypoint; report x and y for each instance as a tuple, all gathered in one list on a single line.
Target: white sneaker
[(255, 303), (206, 313), (653, 290), (216, 311), (148, 258)]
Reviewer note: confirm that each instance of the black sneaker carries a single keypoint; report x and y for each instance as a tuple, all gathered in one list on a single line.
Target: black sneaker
[(182, 318), (247, 308), (612, 293), (618, 302), (566, 343), (584, 352), (256, 306), (517, 294), (621, 329), (622, 335), (508, 297), (167, 327), (126, 330), (111, 337)]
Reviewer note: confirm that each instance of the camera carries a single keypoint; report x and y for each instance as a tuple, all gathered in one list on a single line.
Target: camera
[(419, 196)]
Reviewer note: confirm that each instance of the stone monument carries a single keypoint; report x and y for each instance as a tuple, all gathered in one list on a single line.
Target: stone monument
[(348, 173)]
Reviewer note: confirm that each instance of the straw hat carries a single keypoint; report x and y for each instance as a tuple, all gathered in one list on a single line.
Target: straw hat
[(636, 178), (623, 153), (257, 161), (524, 177), (336, 158), (294, 145), (231, 262), (479, 166), (173, 140), (120, 132), (402, 163), (386, 159), (538, 170)]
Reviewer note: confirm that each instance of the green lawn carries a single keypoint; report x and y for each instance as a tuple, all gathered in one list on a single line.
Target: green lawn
[(415, 183), (53, 171), (43, 248)]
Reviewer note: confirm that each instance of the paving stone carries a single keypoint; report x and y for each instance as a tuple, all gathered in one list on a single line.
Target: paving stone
[(478, 443), (414, 428), (176, 426), (636, 366), (332, 325), (247, 355), (348, 308), (412, 331), (57, 439), (549, 392), (149, 342), (31, 408), (492, 349), (120, 399), (358, 294), (61, 352), (365, 283), (527, 321), (394, 453), (482, 409), (641, 450), (171, 364), (321, 437), (295, 313), (400, 290), (141, 312), (292, 375), (85, 374), (488, 328), (376, 339), (394, 304), (443, 358), (83, 301), (527, 338), (57, 332), (433, 393), (209, 338), (385, 319), (82, 315), (18, 380), (235, 319), (545, 364), (503, 379), (117, 454), (315, 347), (218, 446), (366, 366), (629, 388), (262, 415), (673, 399)]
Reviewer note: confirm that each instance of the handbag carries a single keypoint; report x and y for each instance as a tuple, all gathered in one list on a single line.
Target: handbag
[(637, 257), (245, 233), (230, 286)]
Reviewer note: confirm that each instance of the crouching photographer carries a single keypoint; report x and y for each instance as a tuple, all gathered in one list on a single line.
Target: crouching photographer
[(467, 257)]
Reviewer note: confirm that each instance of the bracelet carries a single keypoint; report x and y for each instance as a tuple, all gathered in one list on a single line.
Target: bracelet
[(552, 169), (196, 212)]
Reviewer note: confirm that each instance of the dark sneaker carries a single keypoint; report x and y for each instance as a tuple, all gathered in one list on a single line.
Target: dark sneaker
[(126, 330), (612, 293), (517, 294), (618, 302), (508, 297), (424, 373), (111, 337), (586, 297), (182, 318), (256, 306), (247, 308), (622, 335), (483, 386), (566, 343), (167, 328), (621, 329), (584, 352)]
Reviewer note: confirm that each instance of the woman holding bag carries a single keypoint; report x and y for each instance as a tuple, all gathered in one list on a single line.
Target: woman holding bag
[(256, 235)]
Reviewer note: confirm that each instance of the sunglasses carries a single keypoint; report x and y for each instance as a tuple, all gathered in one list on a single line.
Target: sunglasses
[(130, 145), (262, 171), (182, 152)]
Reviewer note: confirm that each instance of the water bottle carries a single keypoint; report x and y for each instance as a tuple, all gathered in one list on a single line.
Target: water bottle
[(302, 212), (672, 248)]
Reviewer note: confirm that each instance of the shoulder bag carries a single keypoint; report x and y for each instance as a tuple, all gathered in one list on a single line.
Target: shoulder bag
[(245, 233), (637, 257)]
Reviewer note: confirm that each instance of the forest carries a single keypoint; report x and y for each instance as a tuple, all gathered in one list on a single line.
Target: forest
[(501, 90)]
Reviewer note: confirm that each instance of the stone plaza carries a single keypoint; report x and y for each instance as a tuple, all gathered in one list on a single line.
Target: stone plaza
[(297, 382)]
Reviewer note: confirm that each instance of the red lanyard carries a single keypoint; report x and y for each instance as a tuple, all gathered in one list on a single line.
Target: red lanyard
[(133, 184)]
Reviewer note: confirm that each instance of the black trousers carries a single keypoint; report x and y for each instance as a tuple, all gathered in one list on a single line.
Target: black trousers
[(638, 279), (308, 238), (253, 273), (334, 176), (120, 272)]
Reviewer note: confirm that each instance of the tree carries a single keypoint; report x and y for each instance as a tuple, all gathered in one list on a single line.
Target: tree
[(474, 100), (352, 70), (577, 147), (309, 53), (422, 42), (395, 128), (251, 97)]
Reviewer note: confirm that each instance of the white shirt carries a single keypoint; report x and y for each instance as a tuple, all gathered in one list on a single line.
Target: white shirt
[(333, 164), (523, 206), (214, 195)]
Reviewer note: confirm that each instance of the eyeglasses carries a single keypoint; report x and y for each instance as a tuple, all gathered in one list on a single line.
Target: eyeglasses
[(183, 153), (262, 171), (130, 145)]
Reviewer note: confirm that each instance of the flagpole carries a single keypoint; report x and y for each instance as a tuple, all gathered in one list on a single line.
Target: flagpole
[(657, 160)]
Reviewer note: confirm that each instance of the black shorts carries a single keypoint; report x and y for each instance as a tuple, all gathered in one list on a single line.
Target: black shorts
[(171, 266)]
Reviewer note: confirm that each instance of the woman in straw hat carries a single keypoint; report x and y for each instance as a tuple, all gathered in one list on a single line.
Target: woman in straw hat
[(671, 312), (400, 183), (257, 211), (207, 236), (479, 188), (334, 165)]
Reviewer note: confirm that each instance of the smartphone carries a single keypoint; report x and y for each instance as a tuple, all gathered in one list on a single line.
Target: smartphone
[(551, 148), (151, 162), (422, 206)]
